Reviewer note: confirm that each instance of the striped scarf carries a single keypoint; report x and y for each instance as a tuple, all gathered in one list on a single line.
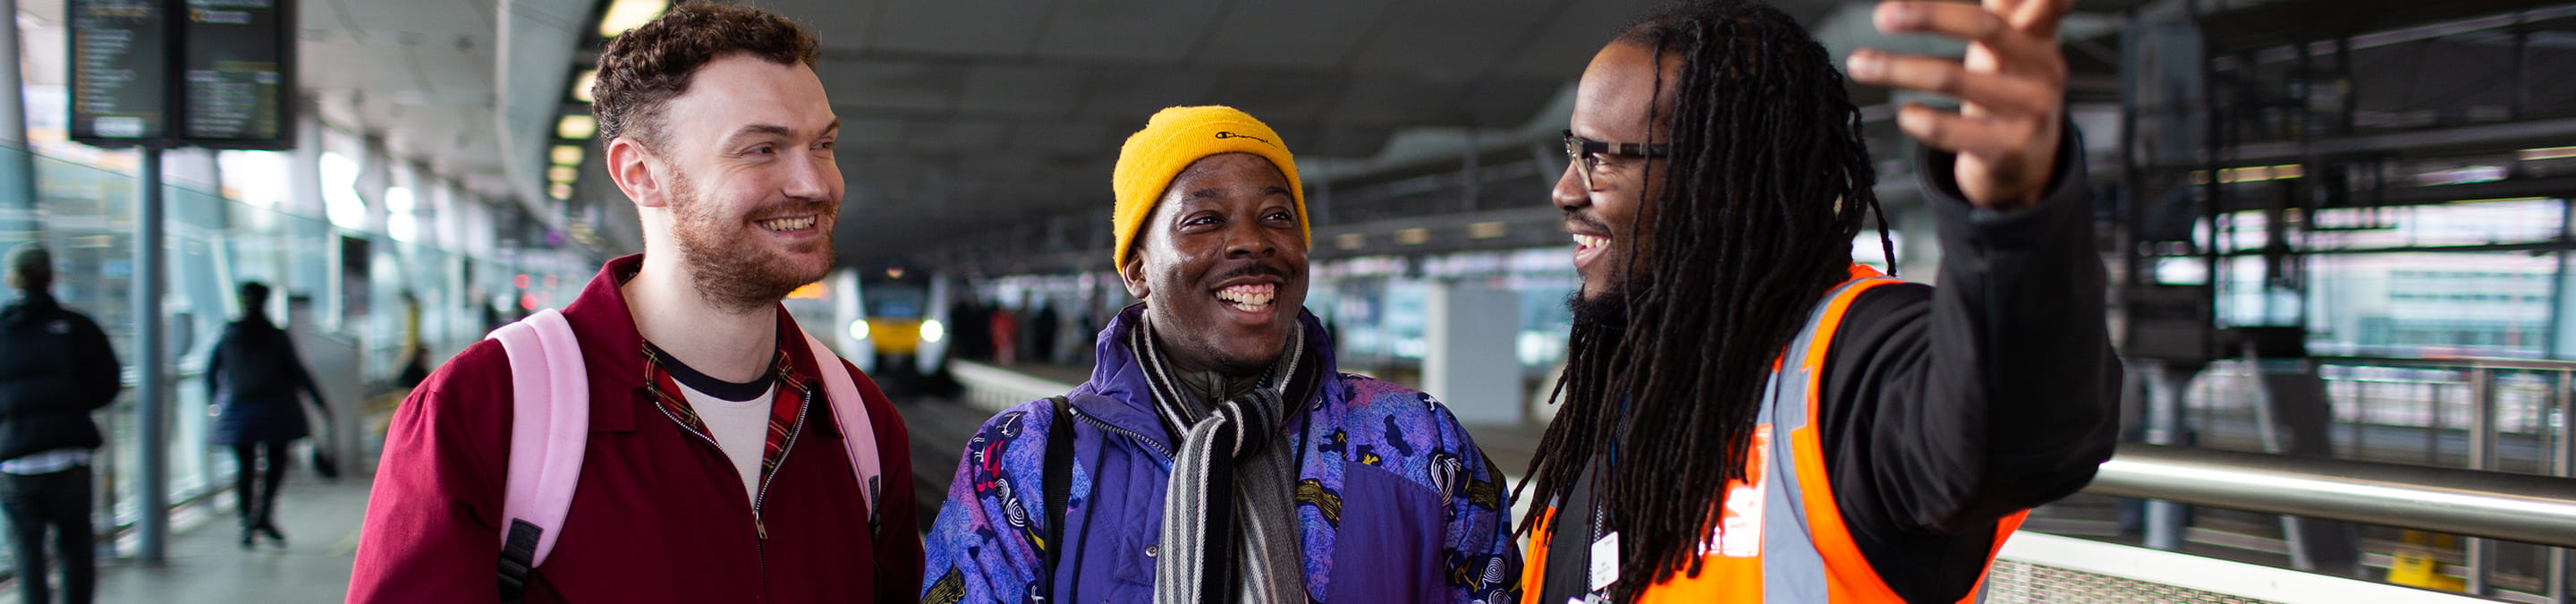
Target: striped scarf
[(1229, 531)]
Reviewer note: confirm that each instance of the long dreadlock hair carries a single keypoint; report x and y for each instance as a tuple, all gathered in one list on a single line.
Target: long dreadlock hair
[(1768, 183)]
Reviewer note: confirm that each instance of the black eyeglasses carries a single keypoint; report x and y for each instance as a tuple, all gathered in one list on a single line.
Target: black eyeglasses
[(1585, 154)]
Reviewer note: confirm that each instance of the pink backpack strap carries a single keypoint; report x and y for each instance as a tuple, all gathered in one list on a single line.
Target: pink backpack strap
[(850, 413), (549, 428)]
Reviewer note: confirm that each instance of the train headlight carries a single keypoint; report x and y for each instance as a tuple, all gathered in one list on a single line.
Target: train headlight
[(859, 329), (932, 331)]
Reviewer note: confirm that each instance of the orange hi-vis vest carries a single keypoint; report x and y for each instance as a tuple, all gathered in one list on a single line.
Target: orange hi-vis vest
[(1780, 537)]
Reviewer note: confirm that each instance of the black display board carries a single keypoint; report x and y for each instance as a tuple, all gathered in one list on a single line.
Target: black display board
[(237, 74), (120, 68), (195, 73)]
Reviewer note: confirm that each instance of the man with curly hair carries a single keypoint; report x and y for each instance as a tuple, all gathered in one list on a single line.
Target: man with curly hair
[(714, 467)]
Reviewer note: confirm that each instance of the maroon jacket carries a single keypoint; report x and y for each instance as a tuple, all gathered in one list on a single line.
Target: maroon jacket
[(659, 515)]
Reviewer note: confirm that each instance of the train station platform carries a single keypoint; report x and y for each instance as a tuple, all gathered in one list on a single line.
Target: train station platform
[(206, 564)]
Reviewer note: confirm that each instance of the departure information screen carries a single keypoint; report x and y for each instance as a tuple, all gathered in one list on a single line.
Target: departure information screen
[(120, 64), (235, 85)]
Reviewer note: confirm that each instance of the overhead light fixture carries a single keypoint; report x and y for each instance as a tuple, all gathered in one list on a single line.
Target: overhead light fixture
[(2500, 200), (2462, 175), (2252, 174), (2547, 153), (1487, 230), (1413, 236), (1350, 241), (562, 174), (624, 15), (560, 191), (576, 127), (566, 155), (581, 83)]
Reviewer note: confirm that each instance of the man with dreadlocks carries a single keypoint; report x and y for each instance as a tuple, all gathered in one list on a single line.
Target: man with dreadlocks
[(1820, 433)]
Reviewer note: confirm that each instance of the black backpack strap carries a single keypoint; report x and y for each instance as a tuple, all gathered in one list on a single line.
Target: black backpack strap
[(521, 547), (1058, 485)]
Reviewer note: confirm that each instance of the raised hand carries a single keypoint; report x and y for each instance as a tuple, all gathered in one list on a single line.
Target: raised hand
[(2011, 87)]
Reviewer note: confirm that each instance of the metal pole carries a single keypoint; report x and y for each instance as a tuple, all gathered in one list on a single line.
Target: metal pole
[(1473, 174), (2351, 87), (2131, 160), (2361, 399), (2164, 427), (2482, 427), (2562, 323), (2521, 108), (2432, 422), (2559, 465), (2482, 437), (152, 488), (17, 162)]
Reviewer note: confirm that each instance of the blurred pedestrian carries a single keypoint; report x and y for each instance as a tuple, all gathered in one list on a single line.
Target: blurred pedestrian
[(1042, 333), (253, 381), (55, 368), (1005, 330)]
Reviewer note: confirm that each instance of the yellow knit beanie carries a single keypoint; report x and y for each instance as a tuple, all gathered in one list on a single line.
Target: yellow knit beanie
[(1175, 138)]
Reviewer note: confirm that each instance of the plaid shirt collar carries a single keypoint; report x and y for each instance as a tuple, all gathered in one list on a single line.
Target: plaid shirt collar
[(786, 412)]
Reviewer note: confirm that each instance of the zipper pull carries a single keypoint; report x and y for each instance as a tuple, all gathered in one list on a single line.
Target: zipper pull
[(763, 527)]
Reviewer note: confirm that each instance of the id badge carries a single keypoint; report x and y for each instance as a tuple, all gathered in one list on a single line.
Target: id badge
[(1605, 561)]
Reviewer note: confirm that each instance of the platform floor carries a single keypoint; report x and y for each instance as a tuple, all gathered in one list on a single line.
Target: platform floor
[(207, 564)]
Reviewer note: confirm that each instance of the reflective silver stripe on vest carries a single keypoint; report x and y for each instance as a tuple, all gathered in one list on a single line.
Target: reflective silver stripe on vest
[(1793, 571)]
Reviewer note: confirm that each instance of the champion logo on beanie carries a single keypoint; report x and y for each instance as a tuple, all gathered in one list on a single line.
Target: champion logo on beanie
[(1233, 135)]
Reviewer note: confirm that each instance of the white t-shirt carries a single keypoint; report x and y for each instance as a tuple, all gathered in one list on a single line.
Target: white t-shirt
[(741, 429)]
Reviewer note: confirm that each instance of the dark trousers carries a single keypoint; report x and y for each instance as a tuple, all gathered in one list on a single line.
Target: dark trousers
[(58, 502), (263, 464)]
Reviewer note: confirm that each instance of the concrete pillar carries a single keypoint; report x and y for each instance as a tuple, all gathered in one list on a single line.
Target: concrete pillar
[(304, 195), (17, 164), (308, 274), (1469, 363), (2562, 292)]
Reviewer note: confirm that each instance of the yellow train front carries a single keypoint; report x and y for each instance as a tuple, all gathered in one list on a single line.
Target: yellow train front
[(884, 318)]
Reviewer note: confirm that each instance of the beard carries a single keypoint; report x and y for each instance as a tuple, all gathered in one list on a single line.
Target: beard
[(1607, 311), (732, 275)]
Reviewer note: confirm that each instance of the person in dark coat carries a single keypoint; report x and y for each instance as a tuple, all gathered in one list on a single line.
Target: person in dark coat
[(1042, 328), (55, 368), (253, 381)]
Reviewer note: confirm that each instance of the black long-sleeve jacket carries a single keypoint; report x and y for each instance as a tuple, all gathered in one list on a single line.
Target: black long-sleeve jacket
[(56, 366), (1946, 408)]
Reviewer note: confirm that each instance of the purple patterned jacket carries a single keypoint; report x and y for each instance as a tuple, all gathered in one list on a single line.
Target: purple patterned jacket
[(1425, 513)]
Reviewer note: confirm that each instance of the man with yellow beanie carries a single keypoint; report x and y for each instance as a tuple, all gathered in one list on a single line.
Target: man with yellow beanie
[(1216, 454)]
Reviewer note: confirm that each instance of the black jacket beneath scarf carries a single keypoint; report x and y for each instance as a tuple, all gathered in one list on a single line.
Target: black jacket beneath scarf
[(55, 368)]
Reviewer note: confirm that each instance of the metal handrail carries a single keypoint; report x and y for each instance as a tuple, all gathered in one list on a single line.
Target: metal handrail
[(2448, 362), (2513, 507)]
